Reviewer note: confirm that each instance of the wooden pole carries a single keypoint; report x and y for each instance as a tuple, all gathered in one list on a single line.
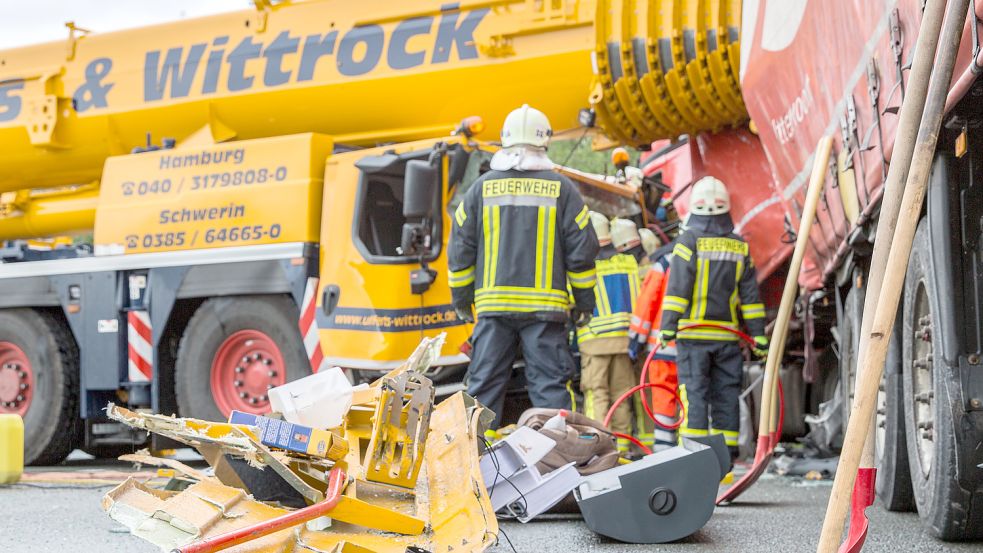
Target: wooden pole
[(887, 305), (904, 147), (769, 387)]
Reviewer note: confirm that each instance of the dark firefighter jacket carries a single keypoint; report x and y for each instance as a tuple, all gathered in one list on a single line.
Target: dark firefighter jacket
[(518, 238), (710, 275)]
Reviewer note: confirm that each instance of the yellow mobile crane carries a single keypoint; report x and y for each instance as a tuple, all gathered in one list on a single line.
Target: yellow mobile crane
[(268, 190)]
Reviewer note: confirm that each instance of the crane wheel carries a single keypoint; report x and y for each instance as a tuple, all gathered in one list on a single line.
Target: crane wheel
[(233, 350), (39, 367)]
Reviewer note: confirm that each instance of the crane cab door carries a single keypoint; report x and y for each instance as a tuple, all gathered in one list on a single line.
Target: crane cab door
[(384, 230)]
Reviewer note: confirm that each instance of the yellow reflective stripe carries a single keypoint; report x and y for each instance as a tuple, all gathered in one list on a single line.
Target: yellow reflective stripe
[(558, 295), (520, 300), (540, 250), (573, 396), (684, 399), (683, 252), (753, 311), (583, 279), (675, 303), (487, 233), (584, 334), (550, 246), (459, 215), (707, 334), (461, 278), (504, 307), (582, 218), (601, 293), (693, 432), (695, 299), (704, 289), (730, 436), (589, 404), (496, 238)]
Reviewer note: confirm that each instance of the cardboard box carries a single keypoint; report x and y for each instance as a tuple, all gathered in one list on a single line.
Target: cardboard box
[(287, 435)]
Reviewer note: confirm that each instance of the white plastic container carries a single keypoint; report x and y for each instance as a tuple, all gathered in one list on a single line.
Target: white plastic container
[(318, 401)]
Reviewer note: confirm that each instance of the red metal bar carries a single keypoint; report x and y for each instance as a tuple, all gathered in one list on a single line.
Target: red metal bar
[(336, 485)]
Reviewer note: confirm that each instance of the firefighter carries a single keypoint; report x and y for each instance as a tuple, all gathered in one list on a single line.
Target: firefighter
[(606, 370), (650, 242), (519, 236), (626, 239), (643, 337), (711, 272)]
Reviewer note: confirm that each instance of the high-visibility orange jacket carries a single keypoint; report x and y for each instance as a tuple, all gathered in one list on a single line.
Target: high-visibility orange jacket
[(644, 325)]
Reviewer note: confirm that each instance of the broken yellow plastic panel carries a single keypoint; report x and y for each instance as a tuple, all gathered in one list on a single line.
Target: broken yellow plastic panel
[(399, 433), (448, 510)]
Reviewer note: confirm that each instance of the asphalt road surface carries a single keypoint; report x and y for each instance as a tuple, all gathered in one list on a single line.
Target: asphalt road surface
[(777, 514)]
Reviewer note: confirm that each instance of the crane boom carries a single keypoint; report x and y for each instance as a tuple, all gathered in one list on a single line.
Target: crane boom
[(393, 71)]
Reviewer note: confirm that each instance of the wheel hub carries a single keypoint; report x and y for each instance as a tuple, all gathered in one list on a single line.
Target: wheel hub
[(247, 364), (923, 389), (16, 380)]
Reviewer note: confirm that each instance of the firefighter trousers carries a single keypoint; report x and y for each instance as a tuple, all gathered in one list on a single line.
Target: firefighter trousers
[(710, 375), (663, 404), (603, 378), (545, 348)]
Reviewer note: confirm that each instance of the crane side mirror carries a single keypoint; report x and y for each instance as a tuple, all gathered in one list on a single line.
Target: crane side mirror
[(419, 190)]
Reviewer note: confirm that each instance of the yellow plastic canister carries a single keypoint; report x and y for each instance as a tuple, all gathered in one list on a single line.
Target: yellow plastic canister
[(11, 448)]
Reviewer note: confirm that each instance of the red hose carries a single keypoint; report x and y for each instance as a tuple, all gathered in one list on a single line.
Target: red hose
[(645, 449), (642, 385)]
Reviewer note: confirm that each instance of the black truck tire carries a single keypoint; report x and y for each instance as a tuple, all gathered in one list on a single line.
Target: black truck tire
[(272, 319), (932, 455), (51, 421), (893, 484)]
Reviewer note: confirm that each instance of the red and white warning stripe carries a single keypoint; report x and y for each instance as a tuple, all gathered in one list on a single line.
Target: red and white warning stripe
[(308, 326), (140, 351)]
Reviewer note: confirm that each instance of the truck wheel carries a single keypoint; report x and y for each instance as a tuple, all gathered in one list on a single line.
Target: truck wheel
[(848, 328), (233, 350), (39, 382), (928, 410), (890, 448)]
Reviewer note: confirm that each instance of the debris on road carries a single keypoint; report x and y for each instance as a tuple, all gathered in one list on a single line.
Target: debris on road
[(407, 477), (661, 498)]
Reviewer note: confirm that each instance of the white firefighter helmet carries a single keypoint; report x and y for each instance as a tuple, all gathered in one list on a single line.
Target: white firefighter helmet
[(602, 227), (624, 234), (709, 197), (634, 177), (650, 242), (526, 126)]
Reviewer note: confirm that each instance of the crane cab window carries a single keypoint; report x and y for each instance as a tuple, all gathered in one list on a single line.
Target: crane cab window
[(378, 224)]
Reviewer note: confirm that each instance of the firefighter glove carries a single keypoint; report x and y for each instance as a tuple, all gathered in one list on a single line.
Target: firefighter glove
[(760, 348), (581, 317), (666, 336), (633, 347), (464, 313)]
